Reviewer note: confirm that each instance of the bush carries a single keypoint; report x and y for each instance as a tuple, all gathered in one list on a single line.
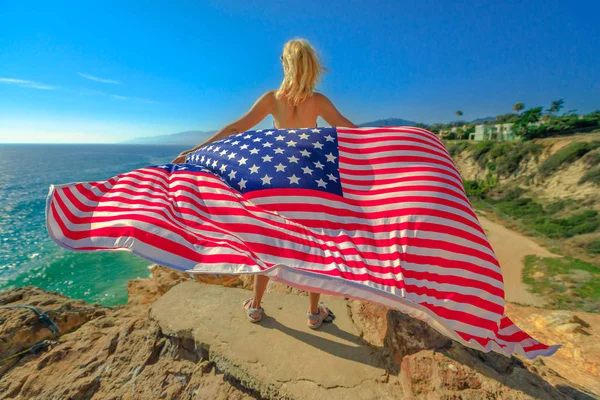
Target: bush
[(593, 247), (566, 155), (456, 147), (480, 150), (592, 175), (535, 216), (592, 158)]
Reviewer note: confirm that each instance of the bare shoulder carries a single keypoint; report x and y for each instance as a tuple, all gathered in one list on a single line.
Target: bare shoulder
[(321, 98), (269, 95)]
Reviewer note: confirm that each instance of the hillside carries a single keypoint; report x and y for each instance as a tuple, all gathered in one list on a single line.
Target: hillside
[(547, 189)]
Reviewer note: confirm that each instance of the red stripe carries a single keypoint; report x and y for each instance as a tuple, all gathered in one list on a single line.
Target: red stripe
[(397, 149), (419, 290), (155, 241)]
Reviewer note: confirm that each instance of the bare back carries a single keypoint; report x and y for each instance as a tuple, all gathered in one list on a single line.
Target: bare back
[(303, 115)]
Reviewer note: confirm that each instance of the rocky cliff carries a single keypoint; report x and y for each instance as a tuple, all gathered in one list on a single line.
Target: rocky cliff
[(182, 339)]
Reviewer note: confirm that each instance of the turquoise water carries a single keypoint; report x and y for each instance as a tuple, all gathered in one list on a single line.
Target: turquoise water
[(27, 254)]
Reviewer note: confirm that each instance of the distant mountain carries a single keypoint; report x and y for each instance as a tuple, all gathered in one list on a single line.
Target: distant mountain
[(482, 120), (192, 138), (188, 138), (390, 122)]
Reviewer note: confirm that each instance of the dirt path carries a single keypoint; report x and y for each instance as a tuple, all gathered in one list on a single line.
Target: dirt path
[(510, 248)]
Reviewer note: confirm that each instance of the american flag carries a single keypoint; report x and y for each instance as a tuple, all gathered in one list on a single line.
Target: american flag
[(377, 214)]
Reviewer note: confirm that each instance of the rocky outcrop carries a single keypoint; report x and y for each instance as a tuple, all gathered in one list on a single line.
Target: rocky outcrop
[(194, 343), (22, 328)]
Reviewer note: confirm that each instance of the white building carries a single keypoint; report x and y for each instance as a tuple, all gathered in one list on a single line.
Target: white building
[(493, 132)]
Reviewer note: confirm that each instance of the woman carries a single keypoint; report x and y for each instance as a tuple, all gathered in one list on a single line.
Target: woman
[(293, 105)]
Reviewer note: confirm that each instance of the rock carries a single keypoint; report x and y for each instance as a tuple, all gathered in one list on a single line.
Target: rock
[(282, 358), (578, 360), (147, 291), (580, 276), (195, 343), (22, 328), (121, 354)]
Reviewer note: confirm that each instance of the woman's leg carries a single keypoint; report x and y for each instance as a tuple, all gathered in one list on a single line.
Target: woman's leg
[(260, 285), (313, 305)]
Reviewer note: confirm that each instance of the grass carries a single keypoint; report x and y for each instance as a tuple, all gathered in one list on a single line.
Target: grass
[(567, 283), (566, 155)]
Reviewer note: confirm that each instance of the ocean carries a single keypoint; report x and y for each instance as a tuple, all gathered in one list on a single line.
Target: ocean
[(27, 254)]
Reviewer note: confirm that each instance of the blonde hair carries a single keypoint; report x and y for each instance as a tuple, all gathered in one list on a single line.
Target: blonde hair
[(302, 71)]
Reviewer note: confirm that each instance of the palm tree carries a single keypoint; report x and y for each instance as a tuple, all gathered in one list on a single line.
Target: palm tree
[(556, 106), (458, 115), (518, 107)]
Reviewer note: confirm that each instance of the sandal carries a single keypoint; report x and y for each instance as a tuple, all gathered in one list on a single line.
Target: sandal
[(253, 311), (324, 315)]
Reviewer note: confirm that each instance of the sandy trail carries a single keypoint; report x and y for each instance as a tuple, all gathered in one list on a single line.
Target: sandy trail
[(510, 248)]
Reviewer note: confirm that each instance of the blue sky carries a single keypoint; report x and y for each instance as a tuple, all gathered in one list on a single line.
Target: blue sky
[(110, 71)]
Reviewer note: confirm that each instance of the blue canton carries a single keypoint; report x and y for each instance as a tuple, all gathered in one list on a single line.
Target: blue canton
[(275, 158)]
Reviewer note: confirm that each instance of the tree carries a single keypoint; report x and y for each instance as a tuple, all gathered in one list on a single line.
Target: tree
[(458, 115), (518, 107), (556, 106), (523, 125)]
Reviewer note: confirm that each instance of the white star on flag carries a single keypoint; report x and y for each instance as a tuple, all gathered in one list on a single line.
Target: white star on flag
[(280, 167), (294, 179), (331, 157), (266, 180), (307, 170), (321, 183)]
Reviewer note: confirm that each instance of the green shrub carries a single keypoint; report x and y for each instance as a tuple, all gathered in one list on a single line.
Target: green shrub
[(539, 218), (566, 155), (480, 150), (592, 158), (592, 175), (593, 247), (456, 147)]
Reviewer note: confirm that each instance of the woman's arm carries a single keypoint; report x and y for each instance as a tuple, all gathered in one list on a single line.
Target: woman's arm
[(261, 108), (331, 114)]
